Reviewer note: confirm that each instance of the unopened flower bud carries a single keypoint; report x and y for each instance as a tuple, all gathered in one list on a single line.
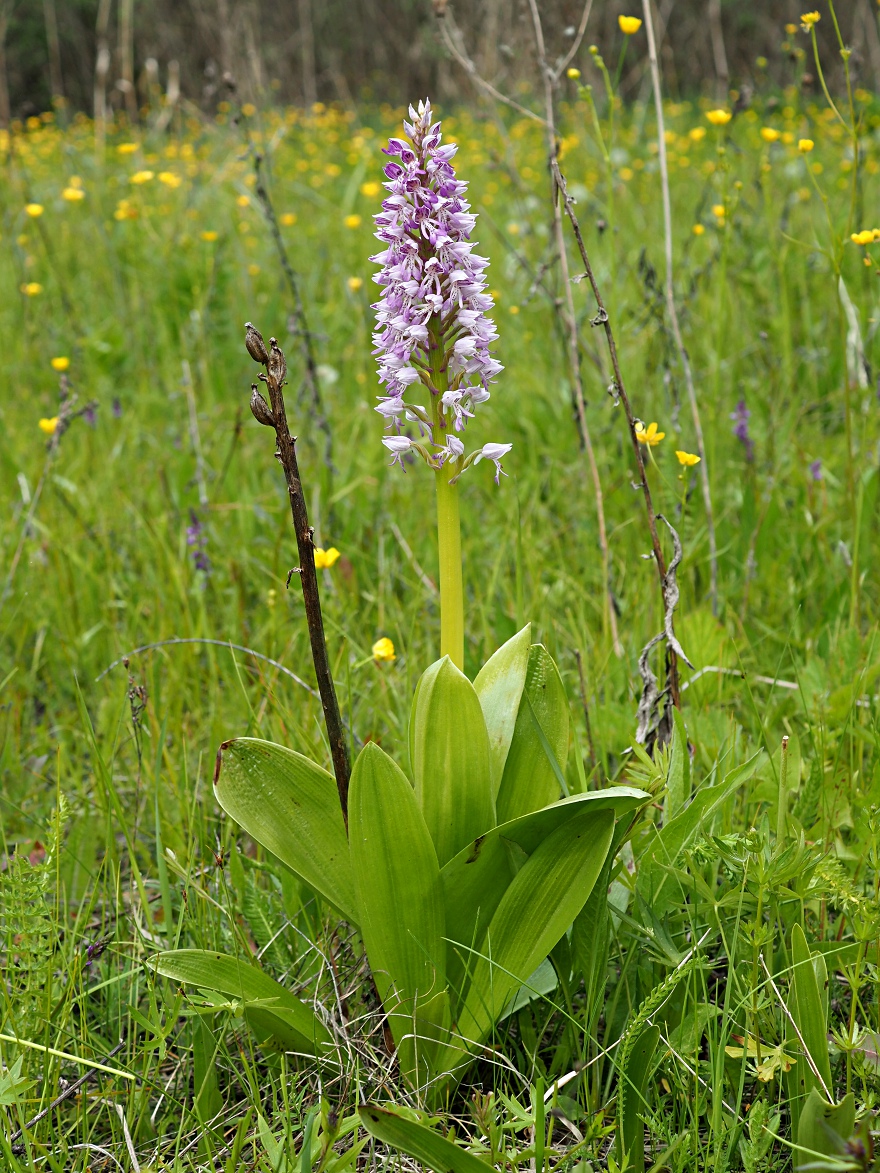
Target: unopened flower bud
[(277, 363), (260, 409), (256, 347)]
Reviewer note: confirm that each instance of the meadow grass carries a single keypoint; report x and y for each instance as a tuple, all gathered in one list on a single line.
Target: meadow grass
[(113, 845)]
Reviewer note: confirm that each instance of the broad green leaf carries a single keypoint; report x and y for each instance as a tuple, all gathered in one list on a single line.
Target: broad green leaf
[(451, 759), (397, 882), (653, 880), (541, 983), (291, 807), (823, 1128), (418, 1141), (540, 903), (475, 881), (809, 1012), (678, 781), (288, 1019), (499, 685), (631, 1136), (533, 775)]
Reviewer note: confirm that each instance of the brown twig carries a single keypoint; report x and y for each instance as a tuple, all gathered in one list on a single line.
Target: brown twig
[(602, 319), (673, 313), (274, 415)]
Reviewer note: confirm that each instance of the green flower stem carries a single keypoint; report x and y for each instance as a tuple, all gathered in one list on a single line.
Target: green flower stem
[(448, 525)]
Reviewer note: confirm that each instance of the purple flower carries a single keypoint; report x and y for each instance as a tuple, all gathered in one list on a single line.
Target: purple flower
[(494, 452), (431, 317), (741, 418), (816, 470), (196, 540), (116, 408), (90, 414)]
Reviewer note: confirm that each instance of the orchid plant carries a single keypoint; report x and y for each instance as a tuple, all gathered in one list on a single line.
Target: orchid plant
[(464, 873)]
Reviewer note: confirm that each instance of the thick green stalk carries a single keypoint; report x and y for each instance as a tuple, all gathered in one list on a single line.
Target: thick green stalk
[(448, 526)]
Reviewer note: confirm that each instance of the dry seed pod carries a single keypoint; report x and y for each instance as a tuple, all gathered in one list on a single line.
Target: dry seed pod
[(277, 363), (260, 409), (256, 347)]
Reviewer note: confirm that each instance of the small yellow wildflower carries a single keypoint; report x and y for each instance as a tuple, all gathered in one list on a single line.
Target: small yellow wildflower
[(626, 174), (49, 426), (371, 189), (142, 177), (170, 178), (769, 134), (687, 459), (629, 25), (324, 559), (698, 230), (649, 435), (808, 19), (352, 221), (866, 236), (72, 194), (253, 269), (248, 109), (697, 133), (125, 211), (61, 363), (127, 148), (34, 210), (354, 283), (719, 117), (572, 73), (243, 201), (288, 218), (718, 211), (514, 309), (791, 29), (31, 288), (383, 649), (805, 145), (209, 235)]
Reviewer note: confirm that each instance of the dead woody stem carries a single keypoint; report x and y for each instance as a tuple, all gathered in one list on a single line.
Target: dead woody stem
[(273, 415)]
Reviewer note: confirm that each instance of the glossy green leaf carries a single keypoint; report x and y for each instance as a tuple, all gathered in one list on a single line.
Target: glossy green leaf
[(653, 883), (499, 685), (536, 759), (809, 1012), (477, 878), (279, 1013), (451, 759), (291, 807), (824, 1127), (397, 882), (540, 903), (418, 1141)]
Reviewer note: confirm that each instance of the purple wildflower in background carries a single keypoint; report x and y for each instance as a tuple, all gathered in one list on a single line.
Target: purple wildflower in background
[(431, 323), (196, 540), (116, 408), (816, 470), (741, 418)]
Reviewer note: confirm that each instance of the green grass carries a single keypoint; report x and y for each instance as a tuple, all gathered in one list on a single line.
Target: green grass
[(107, 788)]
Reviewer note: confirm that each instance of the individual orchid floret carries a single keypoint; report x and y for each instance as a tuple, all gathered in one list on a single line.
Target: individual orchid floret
[(494, 452), (432, 328)]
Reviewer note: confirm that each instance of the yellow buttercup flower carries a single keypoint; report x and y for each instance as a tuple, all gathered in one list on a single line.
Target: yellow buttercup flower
[(697, 133), (573, 73), (324, 559), (49, 426), (649, 435), (72, 194), (769, 134), (248, 109), (354, 283), (209, 235), (31, 288), (371, 189), (791, 29), (805, 145), (719, 117), (142, 177), (629, 25), (288, 218), (127, 148), (34, 210), (866, 236), (170, 179), (718, 211), (808, 19), (352, 221), (383, 649), (698, 230), (242, 200), (61, 363), (687, 459)]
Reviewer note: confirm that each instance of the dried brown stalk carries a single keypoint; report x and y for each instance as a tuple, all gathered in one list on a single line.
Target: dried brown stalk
[(274, 415)]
